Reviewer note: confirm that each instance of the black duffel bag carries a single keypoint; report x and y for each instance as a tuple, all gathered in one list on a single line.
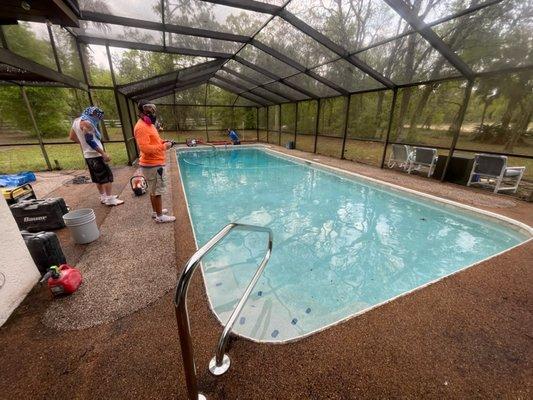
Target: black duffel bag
[(40, 215)]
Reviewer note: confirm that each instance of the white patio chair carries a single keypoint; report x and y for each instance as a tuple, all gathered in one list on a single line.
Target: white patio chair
[(423, 157), (492, 171), (399, 156)]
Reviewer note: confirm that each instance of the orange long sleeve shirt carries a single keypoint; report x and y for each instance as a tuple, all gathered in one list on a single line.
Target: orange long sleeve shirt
[(150, 144)]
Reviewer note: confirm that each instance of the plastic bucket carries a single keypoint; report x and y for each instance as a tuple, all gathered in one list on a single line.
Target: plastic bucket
[(82, 225)]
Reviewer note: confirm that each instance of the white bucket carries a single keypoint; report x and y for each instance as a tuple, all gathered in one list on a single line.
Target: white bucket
[(82, 225)]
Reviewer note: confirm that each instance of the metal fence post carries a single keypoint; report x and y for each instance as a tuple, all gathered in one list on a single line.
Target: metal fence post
[(316, 123), (131, 156), (35, 127), (268, 121), (279, 124), (347, 101), (295, 122)]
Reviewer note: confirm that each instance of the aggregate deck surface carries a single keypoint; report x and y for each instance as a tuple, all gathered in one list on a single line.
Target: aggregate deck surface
[(467, 336)]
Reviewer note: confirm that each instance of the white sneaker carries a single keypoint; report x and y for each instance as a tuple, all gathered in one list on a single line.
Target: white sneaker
[(164, 211), (113, 201), (164, 218), (103, 199)]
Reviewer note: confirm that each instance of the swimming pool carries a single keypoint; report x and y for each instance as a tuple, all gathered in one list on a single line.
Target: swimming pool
[(342, 243)]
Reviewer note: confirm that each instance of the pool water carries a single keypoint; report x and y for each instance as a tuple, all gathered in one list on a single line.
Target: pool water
[(342, 244)]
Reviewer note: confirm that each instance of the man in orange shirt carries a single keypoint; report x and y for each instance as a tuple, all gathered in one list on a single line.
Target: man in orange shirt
[(152, 159)]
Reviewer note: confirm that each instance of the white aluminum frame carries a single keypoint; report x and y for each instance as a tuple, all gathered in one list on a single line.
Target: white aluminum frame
[(496, 181)]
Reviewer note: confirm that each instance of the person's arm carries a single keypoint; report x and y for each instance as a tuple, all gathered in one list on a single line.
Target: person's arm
[(88, 133), (143, 141), (72, 136)]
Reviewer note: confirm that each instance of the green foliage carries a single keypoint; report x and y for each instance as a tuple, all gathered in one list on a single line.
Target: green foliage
[(331, 112), (23, 40), (490, 134)]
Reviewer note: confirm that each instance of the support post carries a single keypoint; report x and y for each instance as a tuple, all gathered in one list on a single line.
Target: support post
[(205, 115), (257, 123), (295, 122), (460, 119), (86, 80), (347, 101), (268, 121), (84, 70), (389, 127), (35, 127), (279, 124), (131, 157), (54, 48), (316, 123)]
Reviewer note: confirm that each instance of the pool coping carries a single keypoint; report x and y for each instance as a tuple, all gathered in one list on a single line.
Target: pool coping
[(484, 214)]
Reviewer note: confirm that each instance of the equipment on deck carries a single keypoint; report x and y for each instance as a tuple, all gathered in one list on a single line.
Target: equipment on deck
[(63, 279), (45, 249), (15, 194), (40, 215), (138, 185)]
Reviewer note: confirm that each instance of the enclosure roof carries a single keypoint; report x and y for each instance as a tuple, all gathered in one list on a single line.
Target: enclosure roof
[(277, 51)]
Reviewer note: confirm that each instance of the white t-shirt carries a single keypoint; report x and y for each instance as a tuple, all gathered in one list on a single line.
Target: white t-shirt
[(88, 151)]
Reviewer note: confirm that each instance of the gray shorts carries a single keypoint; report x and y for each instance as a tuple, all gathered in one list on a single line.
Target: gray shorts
[(156, 178)]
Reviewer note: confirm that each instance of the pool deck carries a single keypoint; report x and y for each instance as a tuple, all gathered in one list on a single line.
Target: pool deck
[(466, 336)]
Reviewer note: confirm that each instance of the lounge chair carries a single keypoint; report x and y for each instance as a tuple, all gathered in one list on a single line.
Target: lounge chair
[(399, 156), (492, 171), (423, 157)]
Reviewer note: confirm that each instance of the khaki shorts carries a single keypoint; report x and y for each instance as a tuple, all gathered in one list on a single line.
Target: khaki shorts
[(156, 178)]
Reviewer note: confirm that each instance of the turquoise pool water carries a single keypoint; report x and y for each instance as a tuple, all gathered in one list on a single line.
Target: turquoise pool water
[(341, 244)]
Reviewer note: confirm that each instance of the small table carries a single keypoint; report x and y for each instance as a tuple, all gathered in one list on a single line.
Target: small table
[(458, 171)]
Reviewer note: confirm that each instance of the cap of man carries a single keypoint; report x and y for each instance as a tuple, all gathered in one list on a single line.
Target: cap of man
[(152, 158)]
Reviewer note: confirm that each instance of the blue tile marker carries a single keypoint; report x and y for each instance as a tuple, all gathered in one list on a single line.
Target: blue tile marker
[(294, 321), (308, 311), (275, 333), (242, 320), (260, 293)]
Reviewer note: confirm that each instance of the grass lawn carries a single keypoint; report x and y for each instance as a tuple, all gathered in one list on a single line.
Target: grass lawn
[(14, 159), (30, 158)]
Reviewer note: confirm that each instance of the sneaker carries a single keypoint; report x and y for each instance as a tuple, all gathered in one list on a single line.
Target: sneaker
[(103, 199), (164, 218), (113, 201), (164, 211)]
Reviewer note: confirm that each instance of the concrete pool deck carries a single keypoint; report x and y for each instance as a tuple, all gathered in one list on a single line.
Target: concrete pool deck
[(467, 336)]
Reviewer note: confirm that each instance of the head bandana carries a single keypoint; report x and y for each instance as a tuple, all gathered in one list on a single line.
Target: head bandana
[(93, 115), (149, 111)]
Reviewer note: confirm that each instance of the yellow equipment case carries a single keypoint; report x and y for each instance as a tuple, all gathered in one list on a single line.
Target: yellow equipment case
[(15, 194)]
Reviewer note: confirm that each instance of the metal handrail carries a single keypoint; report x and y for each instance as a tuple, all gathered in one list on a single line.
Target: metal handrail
[(180, 304)]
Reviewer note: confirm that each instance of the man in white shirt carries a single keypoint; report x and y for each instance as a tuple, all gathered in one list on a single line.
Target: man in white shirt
[(85, 132)]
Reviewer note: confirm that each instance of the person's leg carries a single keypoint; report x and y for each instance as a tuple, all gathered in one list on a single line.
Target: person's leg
[(160, 189), (107, 185), (100, 188), (107, 188), (157, 205)]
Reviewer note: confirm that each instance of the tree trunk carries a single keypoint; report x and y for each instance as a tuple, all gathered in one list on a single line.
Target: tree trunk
[(520, 129), (483, 114), (406, 98), (508, 114), (428, 89), (379, 110)]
